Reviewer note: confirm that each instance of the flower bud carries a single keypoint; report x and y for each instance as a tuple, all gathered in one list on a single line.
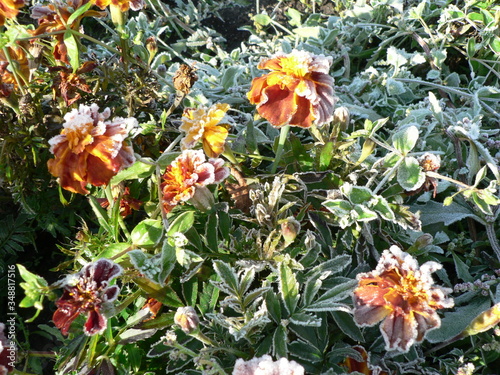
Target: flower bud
[(310, 240), (424, 240), (289, 229), (187, 319), (152, 48), (202, 199), (486, 320), (342, 117)]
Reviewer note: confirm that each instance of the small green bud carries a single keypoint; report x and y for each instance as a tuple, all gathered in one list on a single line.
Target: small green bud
[(289, 229)]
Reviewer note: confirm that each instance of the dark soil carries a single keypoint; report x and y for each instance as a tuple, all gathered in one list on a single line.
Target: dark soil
[(233, 18)]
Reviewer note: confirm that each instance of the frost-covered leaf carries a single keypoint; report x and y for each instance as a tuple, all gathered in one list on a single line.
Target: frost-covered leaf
[(289, 288)]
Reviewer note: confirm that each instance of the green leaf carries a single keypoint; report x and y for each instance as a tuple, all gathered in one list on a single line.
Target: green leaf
[(305, 319), (394, 87), (279, 342), (273, 306), (306, 351), (289, 288), (148, 232), (30, 277), (410, 175), (113, 249), (72, 48), (262, 19), (227, 276), (211, 233), (433, 212), (135, 171), (326, 156), (455, 322), (462, 269), (102, 216), (181, 223), (295, 17), (346, 324), (78, 12), (339, 207), (405, 140), (357, 194)]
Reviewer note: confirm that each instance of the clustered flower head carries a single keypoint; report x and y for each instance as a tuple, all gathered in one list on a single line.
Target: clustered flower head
[(203, 124), (298, 91), (9, 9), (266, 366), (88, 292), (401, 294), (90, 150), (188, 176)]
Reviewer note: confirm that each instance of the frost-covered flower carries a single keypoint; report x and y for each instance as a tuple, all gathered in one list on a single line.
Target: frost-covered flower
[(266, 366), (203, 124), (188, 173), (53, 18), (9, 9), (298, 91), (402, 294), (127, 201), (124, 5), (88, 292), (187, 319), (89, 149)]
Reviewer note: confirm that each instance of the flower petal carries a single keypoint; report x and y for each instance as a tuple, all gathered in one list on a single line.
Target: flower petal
[(95, 324)]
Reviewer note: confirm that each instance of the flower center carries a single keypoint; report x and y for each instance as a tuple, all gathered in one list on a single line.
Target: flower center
[(79, 137), (294, 66)]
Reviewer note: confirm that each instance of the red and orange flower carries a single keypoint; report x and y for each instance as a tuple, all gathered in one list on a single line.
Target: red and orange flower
[(363, 367), (89, 149), (203, 124), (402, 294), (9, 9), (188, 176), (55, 17), (298, 91), (88, 292), (8, 82)]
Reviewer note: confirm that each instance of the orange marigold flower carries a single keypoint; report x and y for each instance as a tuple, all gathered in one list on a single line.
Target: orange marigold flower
[(202, 124), (89, 149), (9, 9), (298, 91), (402, 294), (188, 173), (124, 5), (54, 17)]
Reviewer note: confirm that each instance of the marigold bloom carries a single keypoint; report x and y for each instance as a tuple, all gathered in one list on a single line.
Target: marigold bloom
[(90, 149), (88, 292), (9, 9), (202, 124), (54, 17), (124, 5), (298, 91), (402, 294), (266, 366), (187, 173)]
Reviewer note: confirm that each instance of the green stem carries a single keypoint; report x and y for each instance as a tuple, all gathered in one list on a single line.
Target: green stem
[(281, 144), (490, 232)]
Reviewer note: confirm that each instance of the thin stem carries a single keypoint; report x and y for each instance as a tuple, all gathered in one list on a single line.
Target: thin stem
[(281, 144), (388, 175), (490, 232)]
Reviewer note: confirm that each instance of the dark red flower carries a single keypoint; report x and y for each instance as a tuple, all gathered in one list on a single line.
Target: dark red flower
[(87, 292)]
